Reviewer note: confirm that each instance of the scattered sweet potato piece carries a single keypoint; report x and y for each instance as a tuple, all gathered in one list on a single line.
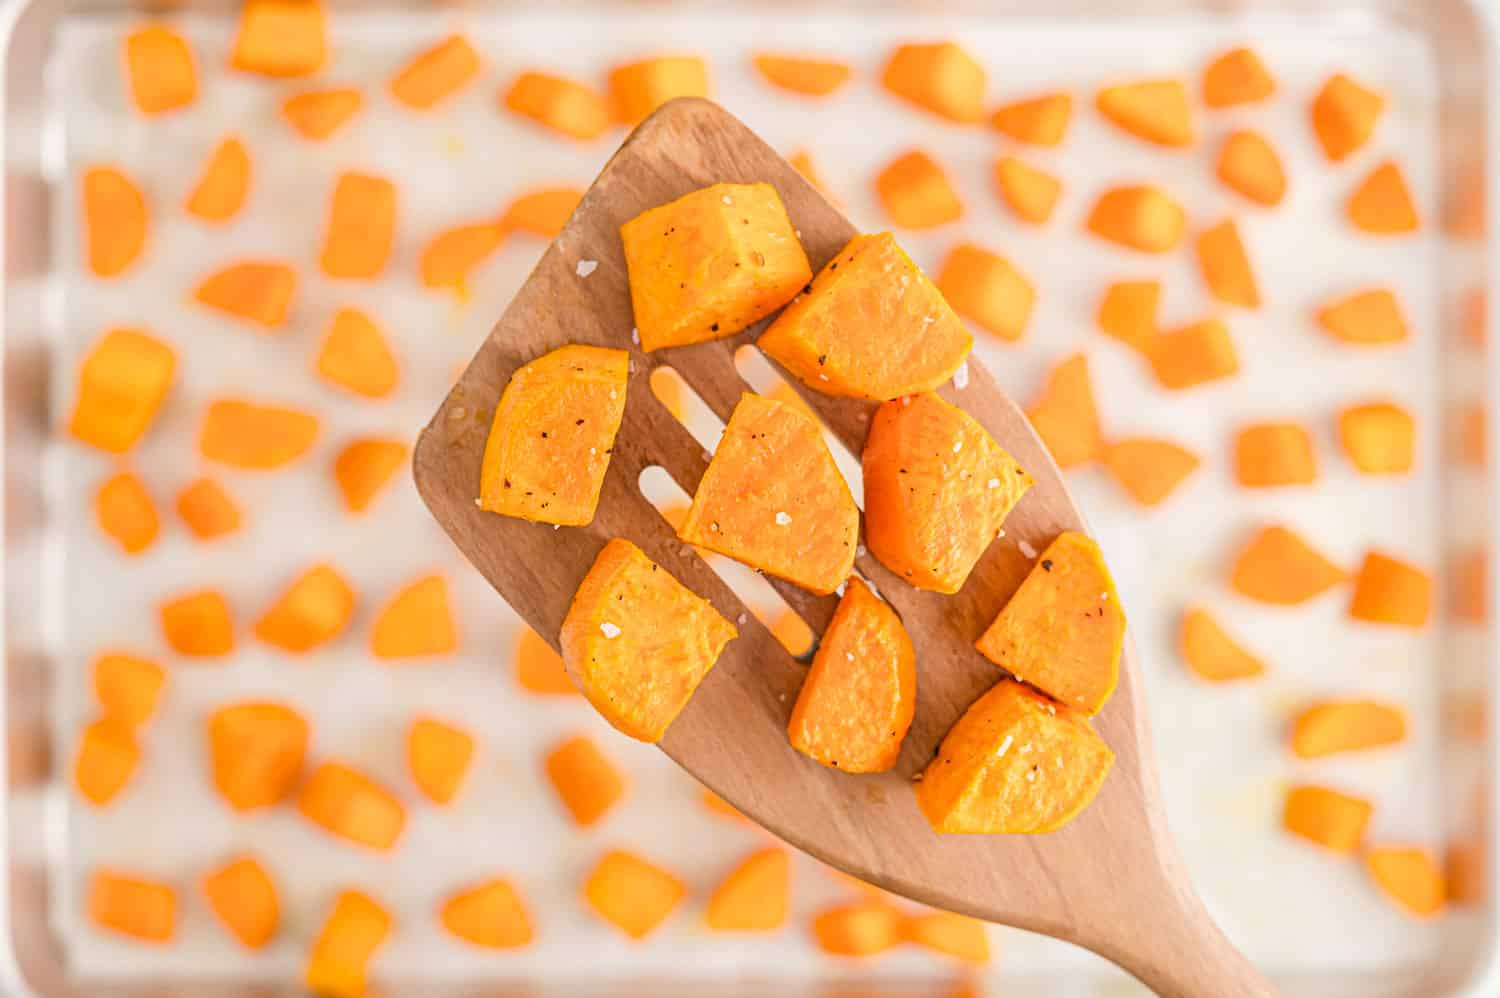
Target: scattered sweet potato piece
[(937, 490), (453, 253), (941, 78), (1346, 726), (864, 928), (312, 611), (772, 498), (1344, 115), (1390, 591), (355, 929), (754, 897), (363, 469), (438, 755), (416, 623), (1154, 110), (873, 326), (1193, 355), (347, 803), (197, 624), (436, 73), (1063, 630), (1378, 437), (1267, 455), (1142, 217), (1038, 121), (638, 88), (1128, 312), (1148, 469), (1366, 318), (586, 781), (1211, 653), (1030, 192), (793, 633), (1225, 266), (916, 193), (985, 288), (625, 606), (1064, 414), (224, 183), (127, 687), (1278, 567), (207, 509), (114, 220), (248, 435), (243, 896), (552, 435), (159, 67), (121, 383), (959, 936), (280, 38), (1382, 205), (720, 806), (126, 513), (542, 213), (710, 263), (317, 114), (633, 895), (539, 669), (256, 749), (361, 227), (108, 756), (860, 695), (258, 291), (802, 162), (1236, 77), (804, 75), (133, 906), (1409, 877), (563, 105), (1248, 164), (356, 357), (1331, 819), (490, 914)]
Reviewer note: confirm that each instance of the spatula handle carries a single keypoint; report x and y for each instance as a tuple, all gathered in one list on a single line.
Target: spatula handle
[(1178, 951)]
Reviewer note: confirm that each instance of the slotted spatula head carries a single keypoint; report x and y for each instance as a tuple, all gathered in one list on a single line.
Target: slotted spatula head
[(1109, 880)]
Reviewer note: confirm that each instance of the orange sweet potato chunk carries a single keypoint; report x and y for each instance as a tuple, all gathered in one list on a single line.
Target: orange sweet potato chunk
[(208, 510), (438, 755), (539, 668), (565, 106), (244, 434), (1193, 355), (542, 212), (1267, 455), (1147, 468), (963, 938), (364, 468), (633, 895), (1276, 566), (1225, 265), (416, 623), (1014, 763), (312, 611), (872, 326), (224, 184), (940, 77), (436, 74), (1064, 414), (586, 781), (280, 38), (258, 291), (1154, 110), (754, 897), (126, 512), (1140, 217), (1038, 121), (121, 383), (490, 914), (711, 263), (1211, 653), (1344, 115), (356, 357), (361, 227), (144, 910), (1248, 164), (772, 498), (1336, 821), (1064, 628), (937, 490), (1366, 318), (1031, 193), (160, 69), (108, 756), (1128, 310), (1381, 205), (860, 695), (1235, 78), (114, 220), (127, 687), (355, 929), (552, 435), (1346, 726), (347, 803), (916, 193), (802, 162), (636, 642), (811, 77), (243, 896), (256, 750), (1378, 437), (198, 624), (984, 287), (451, 255), (1409, 877), (1390, 591), (638, 88), (718, 805), (862, 929), (317, 114)]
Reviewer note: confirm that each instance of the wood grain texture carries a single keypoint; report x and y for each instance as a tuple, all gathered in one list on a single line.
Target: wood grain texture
[(1109, 881)]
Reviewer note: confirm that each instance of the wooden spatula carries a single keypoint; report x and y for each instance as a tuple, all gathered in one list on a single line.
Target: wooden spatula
[(1110, 881)]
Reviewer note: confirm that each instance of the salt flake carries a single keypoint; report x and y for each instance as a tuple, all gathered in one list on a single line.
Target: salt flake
[(609, 630), (961, 376), (586, 267), (741, 619), (1027, 549), (635, 336), (727, 199), (993, 483), (958, 445), (1005, 746), (783, 518)]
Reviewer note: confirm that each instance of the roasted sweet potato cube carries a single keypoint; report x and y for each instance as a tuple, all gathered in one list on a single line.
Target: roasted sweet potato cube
[(1038, 121), (1372, 317), (1225, 265), (1154, 110), (317, 114), (539, 668), (127, 687), (963, 938), (1409, 877), (198, 624), (115, 220), (1344, 115), (436, 74), (452, 254), (121, 383), (256, 749), (133, 906), (586, 781), (243, 896), (258, 291), (1065, 416), (364, 468), (1193, 355), (1032, 193), (1268, 455), (940, 77), (126, 512), (563, 105), (1334, 820), (1382, 205), (1278, 567), (542, 212), (802, 74), (1127, 312), (438, 755), (633, 895), (347, 803), (159, 66), (312, 611), (1378, 437), (862, 929), (1390, 591), (222, 187), (917, 193), (361, 227), (108, 755), (280, 38), (489, 914), (754, 897), (208, 510), (416, 623), (638, 88), (1236, 77), (1147, 468), (1211, 653), (984, 287), (1249, 164), (1142, 218), (355, 356), (248, 435), (1338, 726), (355, 929)]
